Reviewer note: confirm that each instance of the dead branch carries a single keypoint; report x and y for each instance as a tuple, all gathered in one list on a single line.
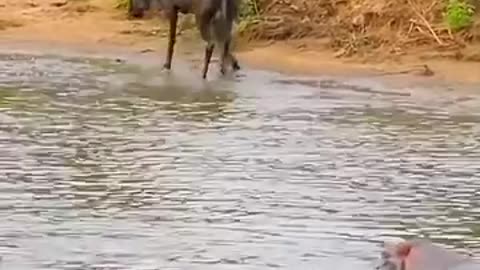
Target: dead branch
[(427, 24)]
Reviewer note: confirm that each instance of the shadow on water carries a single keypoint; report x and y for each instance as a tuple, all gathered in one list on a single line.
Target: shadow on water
[(114, 166)]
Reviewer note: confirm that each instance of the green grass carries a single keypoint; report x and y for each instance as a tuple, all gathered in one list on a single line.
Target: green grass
[(249, 15), (249, 9), (459, 14)]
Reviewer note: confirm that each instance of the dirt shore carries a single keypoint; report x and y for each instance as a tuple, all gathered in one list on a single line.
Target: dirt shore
[(98, 23)]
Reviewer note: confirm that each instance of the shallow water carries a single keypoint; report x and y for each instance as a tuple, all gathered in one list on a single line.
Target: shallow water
[(106, 165)]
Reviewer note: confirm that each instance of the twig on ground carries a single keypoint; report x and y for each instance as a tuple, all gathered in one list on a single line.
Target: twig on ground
[(422, 70), (427, 24)]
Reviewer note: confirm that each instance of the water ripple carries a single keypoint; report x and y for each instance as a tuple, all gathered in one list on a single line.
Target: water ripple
[(98, 172)]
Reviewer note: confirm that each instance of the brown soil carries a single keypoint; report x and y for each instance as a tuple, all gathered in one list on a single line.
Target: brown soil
[(312, 49), (363, 27)]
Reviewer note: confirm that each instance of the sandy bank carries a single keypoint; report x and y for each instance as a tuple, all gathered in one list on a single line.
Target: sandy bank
[(97, 23)]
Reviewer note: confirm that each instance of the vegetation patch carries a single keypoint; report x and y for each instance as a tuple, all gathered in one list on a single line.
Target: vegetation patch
[(459, 15), (364, 27)]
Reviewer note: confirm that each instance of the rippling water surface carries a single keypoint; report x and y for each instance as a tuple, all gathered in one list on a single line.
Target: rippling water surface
[(110, 166)]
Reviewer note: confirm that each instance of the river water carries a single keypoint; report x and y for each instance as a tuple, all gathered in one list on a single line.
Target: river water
[(108, 165)]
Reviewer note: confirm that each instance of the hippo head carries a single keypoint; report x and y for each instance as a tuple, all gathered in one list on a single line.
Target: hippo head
[(392, 257), (419, 254)]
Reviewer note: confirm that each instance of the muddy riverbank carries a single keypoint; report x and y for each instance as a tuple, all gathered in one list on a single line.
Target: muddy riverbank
[(97, 23), (188, 65)]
